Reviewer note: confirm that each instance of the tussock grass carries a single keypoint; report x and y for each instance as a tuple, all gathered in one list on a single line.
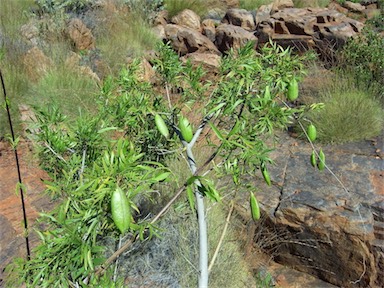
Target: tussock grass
[(351, 113), (67, 88)]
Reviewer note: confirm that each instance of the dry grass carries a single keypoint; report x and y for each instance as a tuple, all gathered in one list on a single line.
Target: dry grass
[(121, 34)]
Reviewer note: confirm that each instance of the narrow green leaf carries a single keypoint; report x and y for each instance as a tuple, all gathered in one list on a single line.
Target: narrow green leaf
[(191, 197), (217, 131)]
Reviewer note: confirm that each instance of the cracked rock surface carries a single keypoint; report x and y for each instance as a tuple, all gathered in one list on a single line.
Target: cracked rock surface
[(331, 221)]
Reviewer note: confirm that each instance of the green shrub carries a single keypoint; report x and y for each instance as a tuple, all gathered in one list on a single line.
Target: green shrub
[(54, 6), (363, 57), (350, 113)]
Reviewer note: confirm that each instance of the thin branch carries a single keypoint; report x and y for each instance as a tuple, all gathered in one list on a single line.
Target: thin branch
[(53, 151), (221, 239), (117, 262)]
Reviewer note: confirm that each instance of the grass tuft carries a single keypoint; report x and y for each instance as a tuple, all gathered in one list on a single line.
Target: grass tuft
[(350, 114)]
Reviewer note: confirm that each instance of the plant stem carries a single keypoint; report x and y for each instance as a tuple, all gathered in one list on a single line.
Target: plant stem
[(221, 239), (202, 222)]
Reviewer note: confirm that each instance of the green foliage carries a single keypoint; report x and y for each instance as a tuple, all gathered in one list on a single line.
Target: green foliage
[(350, 113), (363, 57), (238, 111), (86, 168), (146, 8), (54, 6), (377, 21), (89, 157), (130, 105), (264, 280), (175, 6), (252, 4)]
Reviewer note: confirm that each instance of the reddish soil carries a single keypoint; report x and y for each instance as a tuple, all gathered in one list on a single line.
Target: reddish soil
[(12, 241)]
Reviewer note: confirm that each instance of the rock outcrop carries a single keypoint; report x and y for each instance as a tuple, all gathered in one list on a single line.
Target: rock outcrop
[(186, 40), (303, 28), (324, 228), (80, 35)]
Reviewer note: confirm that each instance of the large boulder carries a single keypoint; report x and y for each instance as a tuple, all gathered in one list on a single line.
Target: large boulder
[(80, 35), (187, 18), (325, 226), (209, 29), (186, 40), (240, 17), (230, 36), (282, 4)]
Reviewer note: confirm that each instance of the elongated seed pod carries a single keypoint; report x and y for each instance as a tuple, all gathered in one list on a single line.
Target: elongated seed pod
[(255, 209), (311, 132), (321, 163), (185, 129), (121, 213), (161, 126), (313, 159), (266, 176), (267, 93), (293, 90)]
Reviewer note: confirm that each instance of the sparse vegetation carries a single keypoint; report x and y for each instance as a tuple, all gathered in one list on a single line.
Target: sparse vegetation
[(252, 4), (73, 92), (311, 3), (175, 6), (366, 68)]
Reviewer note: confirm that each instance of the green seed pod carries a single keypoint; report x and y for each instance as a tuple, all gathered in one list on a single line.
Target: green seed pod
[(185, 129), (313, 159), (255, 209), (265, 173), (267, 93), (293, 90), (312, 133), (161, 126), (321, 164), (120, 208)]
